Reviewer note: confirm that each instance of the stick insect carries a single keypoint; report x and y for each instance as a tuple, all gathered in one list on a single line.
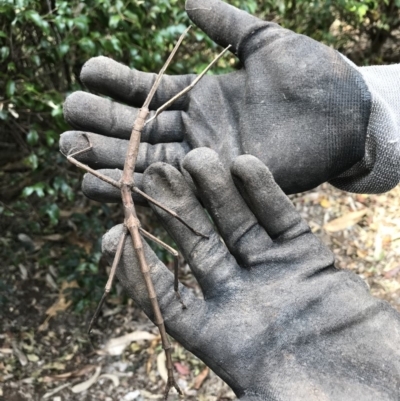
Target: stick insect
[(132, 225)]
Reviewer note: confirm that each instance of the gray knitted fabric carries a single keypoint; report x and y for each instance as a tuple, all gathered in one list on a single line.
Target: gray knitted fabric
[(305, 112), (379, 170), (277, 321)]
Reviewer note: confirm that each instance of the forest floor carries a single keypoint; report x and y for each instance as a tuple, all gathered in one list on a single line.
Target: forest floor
[(45, 353)]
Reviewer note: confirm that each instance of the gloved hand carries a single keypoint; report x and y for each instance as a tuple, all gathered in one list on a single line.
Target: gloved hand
[(278, 321), (296, 104)]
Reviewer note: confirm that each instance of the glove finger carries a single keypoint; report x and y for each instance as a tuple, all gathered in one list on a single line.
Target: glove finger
[(111, 152), (274, 210), (209, 259), (177, 320), (217, 19), (96, 189), (106, 76), (88, 112), (239, 228)]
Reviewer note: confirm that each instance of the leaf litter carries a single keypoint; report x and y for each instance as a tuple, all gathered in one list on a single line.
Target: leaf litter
[(40, 329)]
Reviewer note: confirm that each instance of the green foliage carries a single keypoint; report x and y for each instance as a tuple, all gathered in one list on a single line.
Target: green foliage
[(366, 31), (42, 51)]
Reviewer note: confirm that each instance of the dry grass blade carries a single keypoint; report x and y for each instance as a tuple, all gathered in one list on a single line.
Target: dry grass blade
[(345, 221)]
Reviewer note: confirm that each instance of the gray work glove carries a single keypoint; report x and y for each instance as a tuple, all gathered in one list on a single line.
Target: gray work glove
[(278, 321), (296, 104)]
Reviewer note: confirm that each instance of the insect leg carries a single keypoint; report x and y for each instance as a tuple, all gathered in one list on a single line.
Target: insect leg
[(169, 211), (71, 159), (175, 255), (111, 277), (188, 88)]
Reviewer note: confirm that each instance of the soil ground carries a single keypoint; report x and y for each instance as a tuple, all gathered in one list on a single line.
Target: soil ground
[(45, 353)]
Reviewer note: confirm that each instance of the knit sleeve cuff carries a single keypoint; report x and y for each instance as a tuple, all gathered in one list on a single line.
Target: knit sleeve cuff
[(379, 170)]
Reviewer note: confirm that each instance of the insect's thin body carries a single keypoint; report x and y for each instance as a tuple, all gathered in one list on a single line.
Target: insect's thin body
[(131, 221)]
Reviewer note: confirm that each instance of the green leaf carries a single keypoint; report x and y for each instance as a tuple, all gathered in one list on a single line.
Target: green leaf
[(4, 52), (54, 213), (116, 44), (250, 7), (3, 115), (63, 49), (362, 10), (119, 5), (57, 112), (6, 212), (35, 17), (61, 185), (87, 44), (37, 189), (36, 59), (50, 137), (10, 88), (11, 67), (114, 21), (60, 25), (133, 18), (82, 23), (32, 137), (32, 161)]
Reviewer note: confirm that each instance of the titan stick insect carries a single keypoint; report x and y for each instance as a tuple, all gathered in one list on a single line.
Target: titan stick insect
[(131, 222)]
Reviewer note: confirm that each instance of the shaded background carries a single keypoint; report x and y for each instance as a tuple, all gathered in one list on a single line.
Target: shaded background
[(52, 271)]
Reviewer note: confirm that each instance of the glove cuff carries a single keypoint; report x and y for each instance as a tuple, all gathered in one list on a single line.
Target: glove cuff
[(379, 170)]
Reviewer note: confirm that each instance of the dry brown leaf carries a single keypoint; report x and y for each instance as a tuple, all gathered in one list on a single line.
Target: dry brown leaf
[(79, 210), (362, 253), (181, 369), (386, 240), (60, 305), (24, 271), (199, 379), (150, 350), (74, 239), (75, 373), (345, 221), (54, 366), (80, 387), (153, 344), (56, 390), (65, 214), (162, 369), (113, 378), (392, 273), (325, 203), (50, 281), (6, 350), (52, 237), (19, 354), (110, 312), (150, 396), (116, 346), (32, 357)]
